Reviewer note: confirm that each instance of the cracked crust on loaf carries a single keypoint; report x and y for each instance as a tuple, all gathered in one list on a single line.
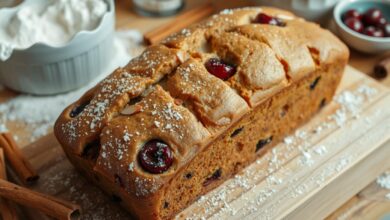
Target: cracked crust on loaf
[(213, 128)]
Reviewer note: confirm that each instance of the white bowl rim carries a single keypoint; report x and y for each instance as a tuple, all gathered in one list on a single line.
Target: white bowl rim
[(82, 32), (337, 17)]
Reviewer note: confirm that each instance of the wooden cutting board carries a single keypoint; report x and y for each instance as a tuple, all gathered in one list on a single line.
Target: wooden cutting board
[(311, 174)]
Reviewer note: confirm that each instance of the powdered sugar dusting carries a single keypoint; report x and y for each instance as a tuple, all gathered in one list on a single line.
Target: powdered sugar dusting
[(131, 167), (145, 186)]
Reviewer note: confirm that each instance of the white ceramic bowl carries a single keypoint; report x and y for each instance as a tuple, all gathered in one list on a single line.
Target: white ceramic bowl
[(319, 11), (43, 70), (354, 39)]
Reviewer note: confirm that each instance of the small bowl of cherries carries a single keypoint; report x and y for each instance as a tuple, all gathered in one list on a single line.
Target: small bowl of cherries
[(364, 24)]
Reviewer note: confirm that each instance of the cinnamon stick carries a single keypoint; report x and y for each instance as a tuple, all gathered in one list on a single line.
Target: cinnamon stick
[(3, 169), (7, 211), (181, 21), (18, 162), (49, 205), (382, 69)]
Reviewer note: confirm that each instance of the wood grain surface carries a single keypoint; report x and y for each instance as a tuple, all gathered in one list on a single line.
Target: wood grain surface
[(362, 62), (302, 191), (59, 177)]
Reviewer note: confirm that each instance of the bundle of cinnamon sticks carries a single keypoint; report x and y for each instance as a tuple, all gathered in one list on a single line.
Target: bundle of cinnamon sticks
[(11, 193)]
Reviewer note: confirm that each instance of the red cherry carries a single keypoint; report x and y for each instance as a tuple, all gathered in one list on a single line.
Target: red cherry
[(262, 18), (386, 29), (373, 32), (354, 24), (382, 21), (155, 157), (352, 13), (220, 69), (372, 16)]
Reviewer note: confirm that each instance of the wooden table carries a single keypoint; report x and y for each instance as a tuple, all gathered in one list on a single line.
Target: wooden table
[(371, 202), (368, 204)]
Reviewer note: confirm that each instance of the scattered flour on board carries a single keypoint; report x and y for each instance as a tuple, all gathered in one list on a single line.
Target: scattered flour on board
[(68, 184), (384, 180), (3, 128), (350, 103), (306, 155), (40, 112), (321, 150), (306, 159)]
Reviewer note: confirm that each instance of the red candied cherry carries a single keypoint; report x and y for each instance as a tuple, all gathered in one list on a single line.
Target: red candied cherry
[(352, 13), (373, 32), (382, 21), (354, 24), (386, 29), (372, 16), (220, 69), (266, 19), (155, 157)]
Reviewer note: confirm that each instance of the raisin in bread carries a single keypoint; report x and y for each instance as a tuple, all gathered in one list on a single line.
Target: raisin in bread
[(189, 113)]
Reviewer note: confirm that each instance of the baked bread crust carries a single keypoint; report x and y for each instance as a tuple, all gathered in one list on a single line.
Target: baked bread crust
[(167, 93)]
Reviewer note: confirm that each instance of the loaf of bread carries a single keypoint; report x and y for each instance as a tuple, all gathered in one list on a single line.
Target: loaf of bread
[(191, 112)]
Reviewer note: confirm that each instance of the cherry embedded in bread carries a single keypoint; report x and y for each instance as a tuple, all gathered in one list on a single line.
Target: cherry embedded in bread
[(118, 180), (215, 176), (322, 103), (261, 143), (188, 176), (354, 24), (236, 132), (373, 31), (91, 150), (352, 13), (115, 198), (314, 83), (78, 109), (220, 69), (262, 18), (372, 16), (155, 157)]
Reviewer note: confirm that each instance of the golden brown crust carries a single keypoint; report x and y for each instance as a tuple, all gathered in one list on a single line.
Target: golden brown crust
[(168, 94), (192, 83)]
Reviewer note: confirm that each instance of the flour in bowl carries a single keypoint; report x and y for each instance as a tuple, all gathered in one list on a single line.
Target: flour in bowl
[(38, 113), (53, 22)]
